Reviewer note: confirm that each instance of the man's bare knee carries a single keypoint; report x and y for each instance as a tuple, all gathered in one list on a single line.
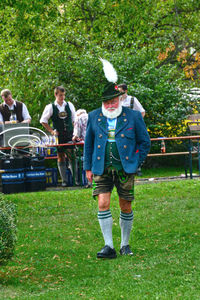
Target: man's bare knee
[(61, 157), (125, 205), (104, 201)]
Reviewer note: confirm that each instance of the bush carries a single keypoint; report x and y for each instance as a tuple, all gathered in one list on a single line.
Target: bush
[(7, 230)]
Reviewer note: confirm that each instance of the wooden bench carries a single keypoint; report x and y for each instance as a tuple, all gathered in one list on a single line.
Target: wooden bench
[(188, 154)]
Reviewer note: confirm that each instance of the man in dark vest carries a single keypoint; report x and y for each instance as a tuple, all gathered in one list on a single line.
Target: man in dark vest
[(62, 114), (13, 111)]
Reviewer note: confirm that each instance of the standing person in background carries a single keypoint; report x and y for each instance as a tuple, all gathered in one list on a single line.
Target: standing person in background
[(133, 103), (80, 125), (62, 114), (13, 110), (130, 101)]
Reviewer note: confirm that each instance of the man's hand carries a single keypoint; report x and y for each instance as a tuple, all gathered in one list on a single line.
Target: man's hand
[(11, 122), (75, 138), (49, 129), (27, 121), (89, 175), (54, 132)]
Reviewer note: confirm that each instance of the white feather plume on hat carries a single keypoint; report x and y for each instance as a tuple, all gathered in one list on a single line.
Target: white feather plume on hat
[(109, 71)]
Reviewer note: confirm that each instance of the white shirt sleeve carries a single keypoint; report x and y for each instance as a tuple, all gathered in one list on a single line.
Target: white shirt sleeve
[(72, 108), (1, 118), (138, 106), (47, 113), (25, 113), (76, 127)]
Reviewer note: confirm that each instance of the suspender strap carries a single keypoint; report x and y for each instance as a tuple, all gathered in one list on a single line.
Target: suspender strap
[(132, 103)]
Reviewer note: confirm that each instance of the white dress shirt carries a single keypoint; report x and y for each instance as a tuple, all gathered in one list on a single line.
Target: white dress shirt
[(48, 111), (137, 105), (25, 113)]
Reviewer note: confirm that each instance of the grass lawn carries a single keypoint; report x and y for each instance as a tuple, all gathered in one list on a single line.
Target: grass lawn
[(167, 171), (59, 235)]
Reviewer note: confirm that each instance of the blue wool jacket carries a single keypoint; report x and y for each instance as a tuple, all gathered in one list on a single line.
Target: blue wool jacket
[(132, 140)]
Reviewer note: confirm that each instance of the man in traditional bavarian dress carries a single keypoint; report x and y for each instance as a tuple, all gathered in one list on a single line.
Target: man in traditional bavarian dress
[(62, 114), (133, 103), (130, 101), (116, 144), (13, 111)]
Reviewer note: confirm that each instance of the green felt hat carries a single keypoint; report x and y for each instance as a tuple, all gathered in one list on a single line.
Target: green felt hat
[(110, 91)]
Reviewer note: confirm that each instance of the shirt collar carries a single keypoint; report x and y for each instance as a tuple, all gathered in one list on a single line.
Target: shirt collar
[(56, 103), (12, 106)]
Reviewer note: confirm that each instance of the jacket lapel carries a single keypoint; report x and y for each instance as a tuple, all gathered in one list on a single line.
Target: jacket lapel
[(102, 122)]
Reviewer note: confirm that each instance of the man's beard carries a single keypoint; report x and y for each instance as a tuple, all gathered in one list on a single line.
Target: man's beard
[(111, 114)]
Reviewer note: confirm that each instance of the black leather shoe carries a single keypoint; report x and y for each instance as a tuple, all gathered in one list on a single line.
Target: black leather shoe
[(107, 252), (126, 250)]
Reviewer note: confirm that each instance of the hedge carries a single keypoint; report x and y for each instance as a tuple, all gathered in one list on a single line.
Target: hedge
[(8, 229)]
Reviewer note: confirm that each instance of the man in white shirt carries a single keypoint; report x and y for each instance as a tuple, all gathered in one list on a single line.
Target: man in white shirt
[(133, 103), (62, 114), (13, 110), (130, 101)]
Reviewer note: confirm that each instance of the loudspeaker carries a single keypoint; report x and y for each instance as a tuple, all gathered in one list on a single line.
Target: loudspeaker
[(14, 132)]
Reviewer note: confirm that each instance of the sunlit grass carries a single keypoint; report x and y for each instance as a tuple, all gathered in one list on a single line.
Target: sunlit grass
[(169, 171), (59, 235)]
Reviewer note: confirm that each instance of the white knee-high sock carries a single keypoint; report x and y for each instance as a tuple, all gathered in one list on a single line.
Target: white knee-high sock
[(106, 222), (125, 222), (62, 170)]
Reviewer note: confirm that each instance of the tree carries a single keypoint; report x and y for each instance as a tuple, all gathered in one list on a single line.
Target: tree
[(53, 42)]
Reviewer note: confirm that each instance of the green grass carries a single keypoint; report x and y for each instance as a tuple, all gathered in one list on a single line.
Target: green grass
[(59, 235), (167, 171)]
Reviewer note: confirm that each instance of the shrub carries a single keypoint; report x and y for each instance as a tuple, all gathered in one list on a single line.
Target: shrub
[(7, 230)]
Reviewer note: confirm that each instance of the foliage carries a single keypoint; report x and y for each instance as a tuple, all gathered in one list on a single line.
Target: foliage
[(7, 230), (59, 236), (154, 46), (166, 106)]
